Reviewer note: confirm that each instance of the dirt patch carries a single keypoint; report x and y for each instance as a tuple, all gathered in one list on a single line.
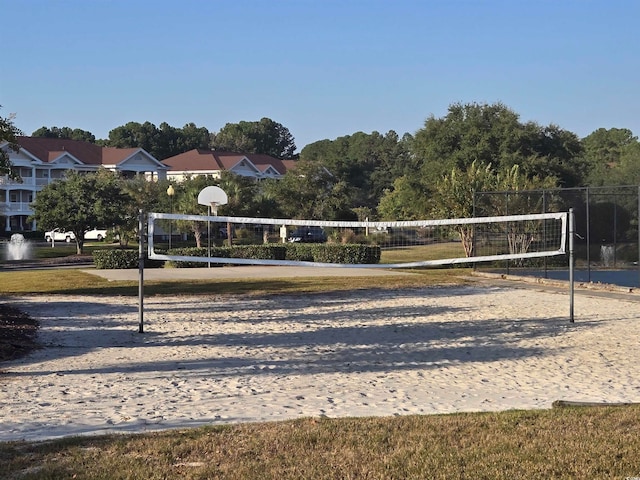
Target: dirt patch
[(17, 333)]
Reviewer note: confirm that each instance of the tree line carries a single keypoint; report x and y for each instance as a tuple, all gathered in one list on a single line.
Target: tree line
[(431, 173), (264, 136)]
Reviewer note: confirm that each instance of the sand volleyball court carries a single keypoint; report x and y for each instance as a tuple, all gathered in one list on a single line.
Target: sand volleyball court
[(225, 359)]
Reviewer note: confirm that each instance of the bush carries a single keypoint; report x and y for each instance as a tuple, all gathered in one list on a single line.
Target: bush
[(333, 253), (262, 252), (349, 253), (302, 252), (121, 258), (221, 252)]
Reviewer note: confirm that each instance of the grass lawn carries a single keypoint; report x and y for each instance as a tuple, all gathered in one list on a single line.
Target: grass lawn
[(583, 442)]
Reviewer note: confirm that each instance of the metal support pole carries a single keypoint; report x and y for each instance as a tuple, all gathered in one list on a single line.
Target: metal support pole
[(506, 212), (615, 228), (170, 221), (572, 232), (544, 229), (140, 271), (588, 201), (209, 237)]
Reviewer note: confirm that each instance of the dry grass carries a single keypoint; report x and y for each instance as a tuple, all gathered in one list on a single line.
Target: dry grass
[(75, 281), (560, 443), (418, 253)]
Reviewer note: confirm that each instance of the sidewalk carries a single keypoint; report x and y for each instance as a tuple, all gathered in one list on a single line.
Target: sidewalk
[(244, 271)]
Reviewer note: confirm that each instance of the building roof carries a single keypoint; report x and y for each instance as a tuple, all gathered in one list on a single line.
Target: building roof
[(199, 160), (48, 150)]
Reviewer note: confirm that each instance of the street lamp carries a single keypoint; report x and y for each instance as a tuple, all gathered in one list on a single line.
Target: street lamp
[(170, 192)]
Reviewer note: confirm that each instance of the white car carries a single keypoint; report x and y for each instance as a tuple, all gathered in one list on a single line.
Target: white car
[(59, 236), (98, 234)]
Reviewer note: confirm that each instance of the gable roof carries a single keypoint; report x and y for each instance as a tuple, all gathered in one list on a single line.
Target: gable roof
[(48, 150), (199, 160), (193, 160)]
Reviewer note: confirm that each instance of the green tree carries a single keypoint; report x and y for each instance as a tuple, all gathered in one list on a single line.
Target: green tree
[(162, 142), (605, 152), (139, 194), (367, 163), (494, 134), (311, 192), (80, 202), (186, 201), (404, 201), (454, 198), (65, 132), (191, 136), (136, 135), (9, 134), (265, 136), (241, 192)]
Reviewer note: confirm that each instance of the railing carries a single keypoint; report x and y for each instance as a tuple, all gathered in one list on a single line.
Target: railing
[(16, 207), (26, 181)]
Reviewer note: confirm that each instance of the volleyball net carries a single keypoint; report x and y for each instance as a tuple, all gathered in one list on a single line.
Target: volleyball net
[(384, 244)]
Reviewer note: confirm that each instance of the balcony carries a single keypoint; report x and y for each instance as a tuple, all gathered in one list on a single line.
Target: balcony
[(15, 208), (5, 180), (26, 181)]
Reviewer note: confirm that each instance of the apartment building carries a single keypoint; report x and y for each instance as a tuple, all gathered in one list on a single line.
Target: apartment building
[(41, 161)]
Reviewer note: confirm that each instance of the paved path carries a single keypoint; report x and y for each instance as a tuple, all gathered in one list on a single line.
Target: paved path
[(248, 271)]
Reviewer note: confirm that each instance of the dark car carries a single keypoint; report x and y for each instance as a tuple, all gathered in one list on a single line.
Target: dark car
[(308, 235)]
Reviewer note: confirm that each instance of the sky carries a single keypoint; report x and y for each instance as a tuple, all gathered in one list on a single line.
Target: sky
[(321, 68)]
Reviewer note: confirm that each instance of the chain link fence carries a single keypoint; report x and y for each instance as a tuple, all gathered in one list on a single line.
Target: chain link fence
[(607, 242)]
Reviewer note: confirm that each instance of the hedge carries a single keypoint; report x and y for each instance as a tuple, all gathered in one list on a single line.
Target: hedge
[(307, 252), (263, 252), (333, 253), (121, 258)]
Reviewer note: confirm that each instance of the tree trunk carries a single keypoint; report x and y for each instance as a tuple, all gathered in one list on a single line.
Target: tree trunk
[(466, 235)]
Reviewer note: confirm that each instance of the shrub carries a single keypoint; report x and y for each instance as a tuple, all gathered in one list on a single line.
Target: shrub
[(300, 252), (333, 253), (263, 252), (121, 258), (221, 252), (349, 253)]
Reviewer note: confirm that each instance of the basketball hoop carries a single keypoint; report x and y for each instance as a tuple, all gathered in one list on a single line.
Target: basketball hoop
[(212, 197)]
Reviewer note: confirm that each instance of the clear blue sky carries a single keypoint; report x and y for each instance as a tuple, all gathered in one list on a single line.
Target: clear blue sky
[(321, 68)]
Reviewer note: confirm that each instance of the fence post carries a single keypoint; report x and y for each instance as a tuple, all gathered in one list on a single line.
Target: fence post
[(588, 201), (572, 232)]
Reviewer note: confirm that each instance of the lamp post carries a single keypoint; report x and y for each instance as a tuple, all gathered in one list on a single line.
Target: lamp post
[(170, 192)]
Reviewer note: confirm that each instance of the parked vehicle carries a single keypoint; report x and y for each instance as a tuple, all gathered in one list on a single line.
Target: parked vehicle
[(308, 235), (59, 236), (98, 234)]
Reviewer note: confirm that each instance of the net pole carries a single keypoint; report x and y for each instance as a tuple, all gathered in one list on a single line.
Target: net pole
[(140, 272), (571, 289)]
